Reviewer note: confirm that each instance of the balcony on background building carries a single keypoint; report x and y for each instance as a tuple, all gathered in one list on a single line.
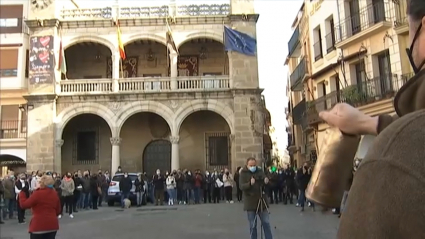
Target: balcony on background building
[(13, 129), (400, 23), (294, 44), (299, 75), (298, 113), (320, 104), (369, 20), (218, 8), (145, 85), (373, 90), (13, 25)]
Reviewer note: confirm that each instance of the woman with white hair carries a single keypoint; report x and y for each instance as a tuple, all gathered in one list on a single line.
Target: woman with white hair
[(45, 206)]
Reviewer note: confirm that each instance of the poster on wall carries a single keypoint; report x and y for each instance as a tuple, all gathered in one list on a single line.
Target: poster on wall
[(41, 57)]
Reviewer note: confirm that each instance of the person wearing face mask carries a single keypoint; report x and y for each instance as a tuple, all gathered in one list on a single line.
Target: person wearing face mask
[(188, 187), (396, 160), (68, 187), (21, 186), (252, 180), (158, 183), (125, 187), (179, 186), (228, 185), (217, 185), (171, 188), (303, 178), (9, 196), (207, 185), (139, 183)]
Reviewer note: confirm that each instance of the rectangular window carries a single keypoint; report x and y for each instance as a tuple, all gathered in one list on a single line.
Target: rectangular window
[(318, 52), (9, 22), (217, 150), (385, 75), (330, 37), (9, 62), (86, 146)]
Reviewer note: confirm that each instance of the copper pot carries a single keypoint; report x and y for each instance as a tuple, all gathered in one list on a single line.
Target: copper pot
[(333, 168)]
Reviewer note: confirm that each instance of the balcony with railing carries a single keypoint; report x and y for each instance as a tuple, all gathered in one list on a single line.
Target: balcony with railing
[(400, 23), (298, 113), (369, 20), (145, 85), (148, 11), (299, 75), (320, 104), (13, 25), (13, 129), (294, 44), (373, 90)]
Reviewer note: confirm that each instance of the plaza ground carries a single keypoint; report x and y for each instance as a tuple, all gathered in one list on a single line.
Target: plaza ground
[(207, 221)]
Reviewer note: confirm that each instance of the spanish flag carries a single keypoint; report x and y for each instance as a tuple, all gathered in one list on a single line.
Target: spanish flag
[(120, 45)]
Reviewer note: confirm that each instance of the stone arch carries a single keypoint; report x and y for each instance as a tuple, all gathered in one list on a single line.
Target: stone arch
[(202, 34), (90, 38), (197, 105), (146, 106), (84, 108), (147, 36)]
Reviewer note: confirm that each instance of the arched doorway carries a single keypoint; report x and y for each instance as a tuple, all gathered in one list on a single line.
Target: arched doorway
[(86, 144), (88, 60), (202, 57), (144, 136), (204, 142), (146, 58), (11, 163), (157, 155)]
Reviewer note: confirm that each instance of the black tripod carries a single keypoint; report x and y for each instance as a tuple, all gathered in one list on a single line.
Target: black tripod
[(261, 203)]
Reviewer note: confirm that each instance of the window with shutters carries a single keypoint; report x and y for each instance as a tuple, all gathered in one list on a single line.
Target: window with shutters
[(9, 62)]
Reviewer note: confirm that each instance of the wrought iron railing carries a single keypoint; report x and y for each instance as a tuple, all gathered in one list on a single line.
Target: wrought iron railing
[(318, 50), (294, 41), (330, 41), (364, 19), (298, 113), (297, 76), (13, 129)]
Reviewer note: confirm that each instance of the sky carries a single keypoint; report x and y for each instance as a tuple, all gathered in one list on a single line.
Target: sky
[(273, 33)]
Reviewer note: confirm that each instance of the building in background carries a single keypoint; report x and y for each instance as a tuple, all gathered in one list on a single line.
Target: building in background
[(299, 64), (142, 87), (357, 58), (14, 38)]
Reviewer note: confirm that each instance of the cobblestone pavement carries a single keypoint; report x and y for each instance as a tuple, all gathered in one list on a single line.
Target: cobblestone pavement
[(206, 221)]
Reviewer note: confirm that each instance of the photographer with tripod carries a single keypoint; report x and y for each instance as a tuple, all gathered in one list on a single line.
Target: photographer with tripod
[(252, 180)]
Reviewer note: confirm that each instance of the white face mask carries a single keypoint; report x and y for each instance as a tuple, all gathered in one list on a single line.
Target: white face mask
[(158, 172), (207, 173), (125, 176)]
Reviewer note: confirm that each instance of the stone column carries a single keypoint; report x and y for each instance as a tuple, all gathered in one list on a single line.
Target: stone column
[(175, 161), (173, 70), (115, 71), (115, 141), (57, 166)]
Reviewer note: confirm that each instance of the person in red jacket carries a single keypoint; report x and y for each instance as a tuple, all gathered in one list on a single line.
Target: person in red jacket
[(45, 206)]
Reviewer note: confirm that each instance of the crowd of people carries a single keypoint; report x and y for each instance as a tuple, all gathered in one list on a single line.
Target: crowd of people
[(86, 190)]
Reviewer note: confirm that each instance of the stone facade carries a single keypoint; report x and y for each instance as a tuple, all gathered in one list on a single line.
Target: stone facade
[(126, 123)]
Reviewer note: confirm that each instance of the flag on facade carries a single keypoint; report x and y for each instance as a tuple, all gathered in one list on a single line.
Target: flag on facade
[(239, 42), (169, 38), (120, 44), (62, 61)]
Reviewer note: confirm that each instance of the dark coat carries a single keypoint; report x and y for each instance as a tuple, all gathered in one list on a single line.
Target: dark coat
[(387, 197), (158, 182), (126, 184), (139, 184), (253, 193)]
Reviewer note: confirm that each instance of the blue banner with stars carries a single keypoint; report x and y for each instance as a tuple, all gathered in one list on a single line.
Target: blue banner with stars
[(239, 42)]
